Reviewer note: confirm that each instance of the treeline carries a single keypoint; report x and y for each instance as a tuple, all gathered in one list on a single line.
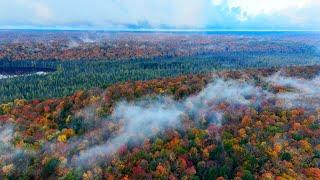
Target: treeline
[(125, 45), (70, 76)]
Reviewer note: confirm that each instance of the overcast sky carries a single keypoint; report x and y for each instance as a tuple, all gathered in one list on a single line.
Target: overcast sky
[(162, 14)]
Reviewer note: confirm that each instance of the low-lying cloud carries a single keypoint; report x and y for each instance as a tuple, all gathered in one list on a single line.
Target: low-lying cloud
[(135, 121), (147, 118), (9, 155), (302, 92)]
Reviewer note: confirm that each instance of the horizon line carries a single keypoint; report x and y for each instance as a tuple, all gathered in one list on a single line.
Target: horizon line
[(3, 28)]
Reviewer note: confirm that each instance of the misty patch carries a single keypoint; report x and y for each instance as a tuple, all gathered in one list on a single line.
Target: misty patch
[(86, 39), (147, 118), (13, 159), (6, 136), (231, 91), (205, 105), (72, 44), (303, 92), (138, 121)]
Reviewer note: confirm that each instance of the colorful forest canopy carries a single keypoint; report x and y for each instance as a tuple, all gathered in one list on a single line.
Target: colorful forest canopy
[(224, 132)]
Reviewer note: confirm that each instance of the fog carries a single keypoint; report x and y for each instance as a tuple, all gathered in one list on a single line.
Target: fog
[(9, 155), (302, 92), (146, 118), (131, 122)]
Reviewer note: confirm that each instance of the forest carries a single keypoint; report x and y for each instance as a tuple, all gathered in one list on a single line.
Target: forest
[(66, 77), (77, 105), (159, 90), (231, 124), (21, 45)]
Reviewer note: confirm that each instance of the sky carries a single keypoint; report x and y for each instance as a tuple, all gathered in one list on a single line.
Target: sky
[(161, 14)]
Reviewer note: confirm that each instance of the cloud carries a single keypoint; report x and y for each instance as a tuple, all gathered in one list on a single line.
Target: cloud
[(10, 156), (141, 120), (146, 118), (42, 11), (217, 2), (124, 13), (252, 8), (22, 12), (303, 92), (39, 9), (219, 14), (296, 13)]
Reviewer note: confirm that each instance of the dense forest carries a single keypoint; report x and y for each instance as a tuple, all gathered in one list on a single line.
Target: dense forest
[(101, 105), (100, 45), (248, 124), (66, 77)]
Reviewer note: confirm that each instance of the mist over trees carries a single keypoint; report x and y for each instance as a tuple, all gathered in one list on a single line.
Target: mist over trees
[(76, 105), (228, 124)]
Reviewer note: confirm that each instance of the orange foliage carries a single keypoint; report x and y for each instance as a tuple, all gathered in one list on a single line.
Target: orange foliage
[(313, 173)]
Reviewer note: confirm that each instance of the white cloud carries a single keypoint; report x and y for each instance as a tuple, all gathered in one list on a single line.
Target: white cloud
[(217, 2), (254, 7), (165, 12), (39, 10), (160, 13), (251, 8), (42, 11)]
